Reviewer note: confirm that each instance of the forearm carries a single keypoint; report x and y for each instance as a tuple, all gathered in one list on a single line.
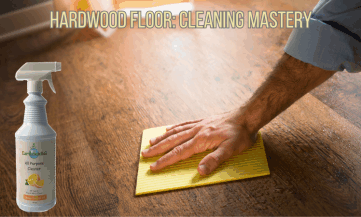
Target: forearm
[(289, 81)]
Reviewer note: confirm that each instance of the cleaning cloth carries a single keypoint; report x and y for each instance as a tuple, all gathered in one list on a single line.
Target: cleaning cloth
[(184, 174)]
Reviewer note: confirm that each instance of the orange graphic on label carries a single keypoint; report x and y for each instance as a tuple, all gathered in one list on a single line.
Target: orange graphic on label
[(34, 180), (35, 198)]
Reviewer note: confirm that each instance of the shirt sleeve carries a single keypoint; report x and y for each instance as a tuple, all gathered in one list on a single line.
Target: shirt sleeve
[(324, 46)]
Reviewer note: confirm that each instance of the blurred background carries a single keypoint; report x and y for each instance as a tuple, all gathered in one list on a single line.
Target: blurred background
[(25, 24)]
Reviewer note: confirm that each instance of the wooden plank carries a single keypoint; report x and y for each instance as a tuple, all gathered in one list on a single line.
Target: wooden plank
[(341, 93)]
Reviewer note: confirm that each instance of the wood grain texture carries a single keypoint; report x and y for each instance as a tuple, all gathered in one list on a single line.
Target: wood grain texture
[(110, 90)]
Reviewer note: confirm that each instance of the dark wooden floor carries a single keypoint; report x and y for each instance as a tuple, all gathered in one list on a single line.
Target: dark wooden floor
[(110, 90)]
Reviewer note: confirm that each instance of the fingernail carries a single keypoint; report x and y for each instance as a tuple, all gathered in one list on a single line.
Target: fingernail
[(145, 151), (153, 165), (152, 140), (203, 168)]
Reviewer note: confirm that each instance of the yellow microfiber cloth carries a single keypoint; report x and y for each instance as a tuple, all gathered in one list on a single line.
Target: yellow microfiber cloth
[(184, 174)]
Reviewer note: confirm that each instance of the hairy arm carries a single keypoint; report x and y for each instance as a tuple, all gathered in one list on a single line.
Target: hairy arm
[(289, 81)]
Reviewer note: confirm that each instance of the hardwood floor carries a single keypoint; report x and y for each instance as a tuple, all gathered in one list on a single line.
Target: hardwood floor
[(111, 89)]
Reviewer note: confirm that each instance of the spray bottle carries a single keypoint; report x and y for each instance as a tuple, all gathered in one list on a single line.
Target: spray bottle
[(35, 143)]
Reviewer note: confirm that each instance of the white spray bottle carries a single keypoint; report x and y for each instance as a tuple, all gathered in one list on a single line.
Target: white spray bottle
[(35, 143)]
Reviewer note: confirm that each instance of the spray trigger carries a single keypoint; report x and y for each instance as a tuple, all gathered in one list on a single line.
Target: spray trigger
[(50, 81), (36, 72)]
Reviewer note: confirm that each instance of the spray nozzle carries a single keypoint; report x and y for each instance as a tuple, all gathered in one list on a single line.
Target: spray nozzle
[(36, 72)]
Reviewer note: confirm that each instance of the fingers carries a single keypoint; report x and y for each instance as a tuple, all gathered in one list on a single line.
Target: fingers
[(182, 124), (176, 130), (179, 153), (210, 162), (170, 140)]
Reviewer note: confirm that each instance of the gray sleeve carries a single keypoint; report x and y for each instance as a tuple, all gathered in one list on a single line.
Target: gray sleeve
[(325, 46)]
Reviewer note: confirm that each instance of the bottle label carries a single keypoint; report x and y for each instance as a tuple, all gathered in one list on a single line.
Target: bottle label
[(35, 172)]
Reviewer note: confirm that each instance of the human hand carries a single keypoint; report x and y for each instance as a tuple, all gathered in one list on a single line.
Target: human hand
[(222, 133)]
